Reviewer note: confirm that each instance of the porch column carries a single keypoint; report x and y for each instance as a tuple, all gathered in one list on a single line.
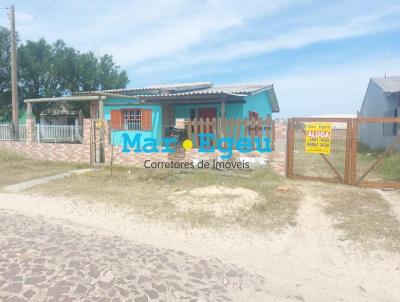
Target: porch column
[(101, 109), (29, 110), (30, 123), (102, 136), (223, 109), (222, 121)]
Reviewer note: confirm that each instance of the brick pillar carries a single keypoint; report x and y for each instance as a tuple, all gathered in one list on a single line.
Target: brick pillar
[(86, 131), (30, 124)]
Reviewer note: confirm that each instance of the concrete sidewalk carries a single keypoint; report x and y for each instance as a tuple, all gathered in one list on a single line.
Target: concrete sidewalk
[(39, 181)]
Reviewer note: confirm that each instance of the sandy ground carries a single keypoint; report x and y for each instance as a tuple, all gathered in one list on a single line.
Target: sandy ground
[(218, 200), (304, 263), (393, 197)]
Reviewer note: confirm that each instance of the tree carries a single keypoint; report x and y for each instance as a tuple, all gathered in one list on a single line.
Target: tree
[(51, 70)]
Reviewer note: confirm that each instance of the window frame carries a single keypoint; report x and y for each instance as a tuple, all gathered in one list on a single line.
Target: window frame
[(132, 119)]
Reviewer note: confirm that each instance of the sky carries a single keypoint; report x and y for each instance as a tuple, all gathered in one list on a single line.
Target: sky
[(320, 55)]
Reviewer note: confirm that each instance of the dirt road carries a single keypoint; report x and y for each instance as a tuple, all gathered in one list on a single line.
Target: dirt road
[(93, 247)]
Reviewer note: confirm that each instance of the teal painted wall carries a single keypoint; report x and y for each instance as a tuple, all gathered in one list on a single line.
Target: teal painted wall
[(258, 103), (155, 132), (232, 110)]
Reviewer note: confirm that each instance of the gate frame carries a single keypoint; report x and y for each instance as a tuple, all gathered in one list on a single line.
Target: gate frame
[(350, 176)]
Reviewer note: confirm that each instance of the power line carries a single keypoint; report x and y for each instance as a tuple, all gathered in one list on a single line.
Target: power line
[(38, 15)]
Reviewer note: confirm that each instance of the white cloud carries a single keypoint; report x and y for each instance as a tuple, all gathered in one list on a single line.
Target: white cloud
[(136, 31), (386, 19)]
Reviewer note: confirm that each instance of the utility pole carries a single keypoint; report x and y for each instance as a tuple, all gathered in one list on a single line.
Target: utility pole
[(14, 83)]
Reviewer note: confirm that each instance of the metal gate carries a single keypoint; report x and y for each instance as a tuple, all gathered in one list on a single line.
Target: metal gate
[(363, 152)]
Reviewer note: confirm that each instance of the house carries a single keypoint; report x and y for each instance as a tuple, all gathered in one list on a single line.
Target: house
[(151, 110), (61, 116), (382, 99)]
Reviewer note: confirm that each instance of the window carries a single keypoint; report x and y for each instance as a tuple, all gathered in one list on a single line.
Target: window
[(132, 119)]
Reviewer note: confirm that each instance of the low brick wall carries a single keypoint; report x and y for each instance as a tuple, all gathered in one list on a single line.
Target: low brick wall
[(80, 153), (74, 153)]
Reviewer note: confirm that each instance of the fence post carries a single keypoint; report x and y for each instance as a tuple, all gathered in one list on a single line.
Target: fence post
[(272, 135), (38, 132), (290, 149), (354, 150), (72, 132), (348, 152)]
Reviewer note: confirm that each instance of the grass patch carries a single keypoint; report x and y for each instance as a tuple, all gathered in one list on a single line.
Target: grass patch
[(166, 194), (15, 168), (364, 217)]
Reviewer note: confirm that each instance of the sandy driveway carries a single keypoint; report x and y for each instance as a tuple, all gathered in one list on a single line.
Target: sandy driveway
[(305, 263)]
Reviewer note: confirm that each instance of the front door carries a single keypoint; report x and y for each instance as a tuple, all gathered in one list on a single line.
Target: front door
[(209, 113), (206, 113)]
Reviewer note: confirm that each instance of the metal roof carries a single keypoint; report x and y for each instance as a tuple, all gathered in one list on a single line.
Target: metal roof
[(189, 88), (178, 92), (389, 84)]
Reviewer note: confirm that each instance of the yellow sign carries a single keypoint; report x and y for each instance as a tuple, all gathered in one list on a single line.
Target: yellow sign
[(99, 124), (318, 138)]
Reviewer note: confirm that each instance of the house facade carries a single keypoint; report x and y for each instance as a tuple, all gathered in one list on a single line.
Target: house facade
[(150, 111), (382, 99)]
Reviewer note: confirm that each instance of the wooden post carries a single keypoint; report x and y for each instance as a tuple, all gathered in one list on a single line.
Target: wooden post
[(353, 172), (348, 152), (238, 129), (196, 139), (189, 129), (14, 82), (273, 136), (214, 129), (290, 148), (102, 138)]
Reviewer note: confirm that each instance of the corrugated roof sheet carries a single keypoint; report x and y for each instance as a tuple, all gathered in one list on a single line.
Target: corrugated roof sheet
[(389, 84), (185, 89), (164, 91)]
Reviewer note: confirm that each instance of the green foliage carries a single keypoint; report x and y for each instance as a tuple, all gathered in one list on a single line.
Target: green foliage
[(51, 70), (5, 75)]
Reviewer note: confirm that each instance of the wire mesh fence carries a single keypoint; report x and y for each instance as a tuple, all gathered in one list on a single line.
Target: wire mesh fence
[(378, 151), (362, 151), (328, 166)]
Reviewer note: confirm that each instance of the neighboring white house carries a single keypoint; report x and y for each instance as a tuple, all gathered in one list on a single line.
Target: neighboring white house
[(382, 99)]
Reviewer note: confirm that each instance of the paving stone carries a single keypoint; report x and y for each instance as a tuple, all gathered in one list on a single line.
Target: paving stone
[(141, 299), (13, 288), (123, 292), (29, 294), (152, 294), (57, 290), (104, 285), (159, 287), (80, 290), (94, 267), (15, 299)]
